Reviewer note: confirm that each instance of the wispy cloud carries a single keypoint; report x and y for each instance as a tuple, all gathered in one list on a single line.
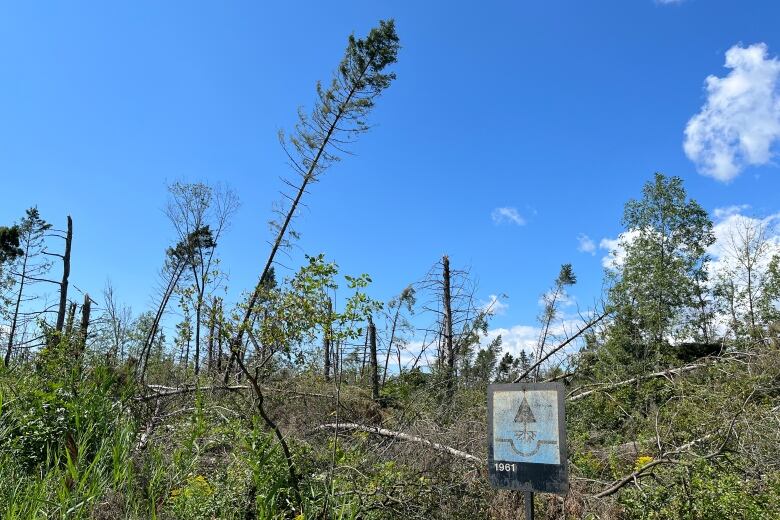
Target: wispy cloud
[(721, 213), (507, 215), (740, 121), (562, 299), (586, 244), (495, 305)]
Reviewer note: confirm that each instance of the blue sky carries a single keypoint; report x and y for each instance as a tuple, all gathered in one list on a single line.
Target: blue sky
[(556, 111)]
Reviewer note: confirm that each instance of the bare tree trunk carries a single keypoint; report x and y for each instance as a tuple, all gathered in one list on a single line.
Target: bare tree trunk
[(364, 358), (198, 308), (373, 361), (212, 325), (754, 334), (85, 311), (65, 274), (336, 355), (448, 342), (15, 318), (390, 345), (179, 270), (187, 356), (219, 348), (71, 317), (326, 339)]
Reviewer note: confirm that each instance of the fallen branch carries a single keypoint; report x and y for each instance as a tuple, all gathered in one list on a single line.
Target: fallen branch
[(559, 347), (167, 391), (611, 386), (573, 396), (406, 437), (666, 458)]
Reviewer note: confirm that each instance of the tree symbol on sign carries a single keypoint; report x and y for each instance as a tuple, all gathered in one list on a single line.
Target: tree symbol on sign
[(525, 416), (524, 413)]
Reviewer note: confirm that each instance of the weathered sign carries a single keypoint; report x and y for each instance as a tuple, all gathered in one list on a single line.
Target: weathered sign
[(527, 437)]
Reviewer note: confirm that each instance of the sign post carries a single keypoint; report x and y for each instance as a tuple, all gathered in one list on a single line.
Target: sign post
[(527, 439)]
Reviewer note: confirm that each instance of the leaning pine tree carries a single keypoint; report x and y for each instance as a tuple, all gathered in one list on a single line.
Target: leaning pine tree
[(337, 119)]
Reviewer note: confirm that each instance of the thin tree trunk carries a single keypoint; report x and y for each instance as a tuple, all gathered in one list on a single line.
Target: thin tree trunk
[(83, 331), (71, 318), (364, 357), (326, 339), (187, 356), (336, 351), (550, 314), (12, 331), (212, 325), (753, 331), (65, 275), (198, 308), (219, 349), (158, 316), (448, 342), (392, 338), (398, 355), (373, 361)]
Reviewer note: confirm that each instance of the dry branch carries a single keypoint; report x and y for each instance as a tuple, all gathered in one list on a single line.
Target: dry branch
[(666, 458), (559, 347), (406, 437), (167, 391), (662, 373)]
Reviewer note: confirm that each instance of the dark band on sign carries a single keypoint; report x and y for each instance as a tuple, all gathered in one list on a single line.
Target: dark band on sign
[(527, 437)]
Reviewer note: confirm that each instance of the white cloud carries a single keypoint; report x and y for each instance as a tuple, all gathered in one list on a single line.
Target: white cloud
[(516, 338), (563, 299), (729, 222), (616, 250), (669, 2), (720, 213), (740, 121), (586, 244), (507, 216), (730, 228), (525, 337), (495, 305)]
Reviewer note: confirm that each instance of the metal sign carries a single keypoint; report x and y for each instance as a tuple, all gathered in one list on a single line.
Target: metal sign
[(527, 437)]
